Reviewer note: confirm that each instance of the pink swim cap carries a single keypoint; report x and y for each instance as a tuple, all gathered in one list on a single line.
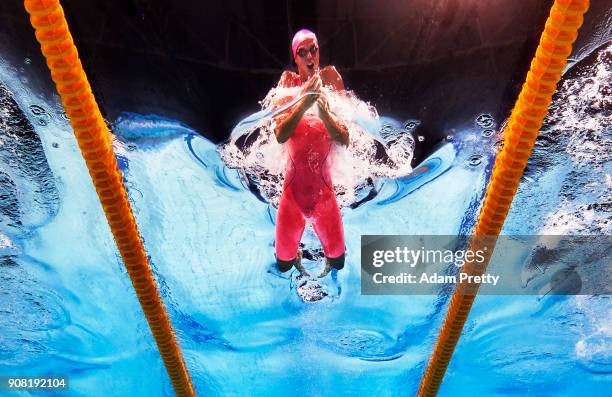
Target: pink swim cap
[(299, 37)]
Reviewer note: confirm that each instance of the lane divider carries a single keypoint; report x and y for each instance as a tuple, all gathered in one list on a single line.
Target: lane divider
[(94, 139), (560, 32)]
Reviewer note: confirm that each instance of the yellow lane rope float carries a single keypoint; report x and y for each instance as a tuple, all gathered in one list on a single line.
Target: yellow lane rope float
[(47, 18), (560, 32)]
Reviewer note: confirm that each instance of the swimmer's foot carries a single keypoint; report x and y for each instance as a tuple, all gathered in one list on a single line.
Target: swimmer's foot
[(328, 268), (298, 265), (331, 264)]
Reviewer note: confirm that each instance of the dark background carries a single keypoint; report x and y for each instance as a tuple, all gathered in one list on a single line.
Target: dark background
[(209, 63)]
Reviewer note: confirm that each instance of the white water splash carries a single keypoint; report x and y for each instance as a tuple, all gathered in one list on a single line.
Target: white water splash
[(375, 151), (581, 117)]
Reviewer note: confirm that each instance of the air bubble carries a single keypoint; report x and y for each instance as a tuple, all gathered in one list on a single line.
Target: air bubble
[(487, 133), (27, 61), (421, 138), (411, 124), (450, 138), (474, 160), (37, 110), (55, 145), (259, 155), (485, 121), (42, 122)]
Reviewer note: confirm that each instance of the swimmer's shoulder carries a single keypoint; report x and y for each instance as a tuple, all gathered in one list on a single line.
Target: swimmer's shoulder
[(330, 76), (288, 79)]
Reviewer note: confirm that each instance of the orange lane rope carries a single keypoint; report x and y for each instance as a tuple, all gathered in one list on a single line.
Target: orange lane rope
[(560, 32), (47, 18)]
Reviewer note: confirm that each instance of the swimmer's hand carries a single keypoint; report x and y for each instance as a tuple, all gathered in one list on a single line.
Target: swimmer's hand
[(313, 84), (323, 106), (336, 128)]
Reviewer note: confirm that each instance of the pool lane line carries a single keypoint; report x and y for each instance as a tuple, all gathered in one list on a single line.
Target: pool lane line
[(94, 139), (530, 109)]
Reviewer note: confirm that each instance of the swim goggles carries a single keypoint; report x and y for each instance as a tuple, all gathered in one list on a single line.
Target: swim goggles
[(302, 52)]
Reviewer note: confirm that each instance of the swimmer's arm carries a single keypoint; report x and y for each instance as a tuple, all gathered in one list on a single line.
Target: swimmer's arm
[(331, 77), (289, 119), (336, 128), (286, 123), (285, 81)]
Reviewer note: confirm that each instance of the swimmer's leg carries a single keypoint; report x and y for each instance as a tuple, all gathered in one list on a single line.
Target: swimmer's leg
[(290, 224), (327, 223)]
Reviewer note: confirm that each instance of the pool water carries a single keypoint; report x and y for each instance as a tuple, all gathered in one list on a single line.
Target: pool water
[(68, 306)]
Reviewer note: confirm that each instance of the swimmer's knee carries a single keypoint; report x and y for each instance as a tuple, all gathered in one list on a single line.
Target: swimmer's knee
[(336, 263)]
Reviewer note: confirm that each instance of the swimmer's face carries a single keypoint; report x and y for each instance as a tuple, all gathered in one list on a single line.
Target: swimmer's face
[(307, 58)]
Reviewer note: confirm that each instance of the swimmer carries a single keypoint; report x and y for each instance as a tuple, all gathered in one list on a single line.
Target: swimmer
[(308, 193)]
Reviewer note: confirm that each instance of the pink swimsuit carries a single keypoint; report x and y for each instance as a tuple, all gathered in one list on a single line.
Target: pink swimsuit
[(308, 192)]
